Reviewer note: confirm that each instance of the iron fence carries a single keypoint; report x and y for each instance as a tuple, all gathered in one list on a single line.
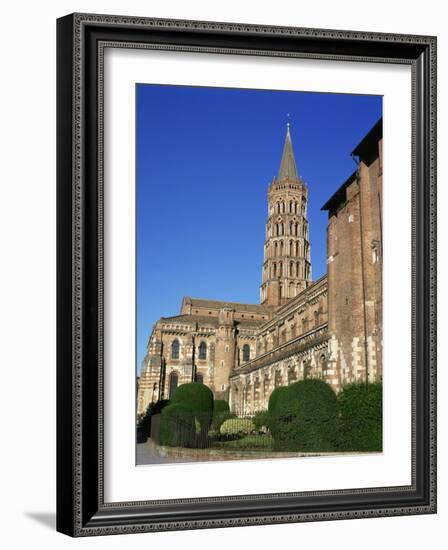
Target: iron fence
[(231, 431)]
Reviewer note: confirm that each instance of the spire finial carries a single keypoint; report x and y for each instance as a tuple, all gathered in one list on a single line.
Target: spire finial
[(288, 169)]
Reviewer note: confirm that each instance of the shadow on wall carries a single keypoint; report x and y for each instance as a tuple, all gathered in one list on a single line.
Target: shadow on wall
[(47, 519)]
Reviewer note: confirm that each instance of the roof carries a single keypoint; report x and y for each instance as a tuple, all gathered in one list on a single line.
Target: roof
[(202, 320), (288, 168), (368, 145), (191, 319), (218, 304), (367, 151), (339, 196)]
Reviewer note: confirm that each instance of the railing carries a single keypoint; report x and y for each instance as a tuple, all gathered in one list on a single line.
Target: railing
[(301, 343), (228, 431)]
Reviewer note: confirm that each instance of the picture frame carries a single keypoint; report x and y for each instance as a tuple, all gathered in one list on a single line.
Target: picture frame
[(81, 506)]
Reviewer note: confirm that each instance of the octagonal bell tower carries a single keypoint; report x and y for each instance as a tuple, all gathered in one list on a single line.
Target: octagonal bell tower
[(287, 265)]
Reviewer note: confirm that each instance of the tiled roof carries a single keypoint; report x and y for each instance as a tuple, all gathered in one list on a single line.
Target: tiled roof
[(218, 304), (202, 320), (191, 319)]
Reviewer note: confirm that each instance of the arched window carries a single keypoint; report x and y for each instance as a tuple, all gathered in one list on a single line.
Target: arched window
[(256, 392), (297, 249), (246, 352), (199, 378), (291, 248), (174, 380), (266, 384), (290, 207), (281, 248), (306, 369), (276, 248), (316, 318), (202, 350), (297, 229), (283, 207), (323, 365), (274, 270), (291, 269), (175, 349), (280, 269)]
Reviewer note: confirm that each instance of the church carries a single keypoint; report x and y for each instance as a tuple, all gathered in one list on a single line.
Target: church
[(330, 328)]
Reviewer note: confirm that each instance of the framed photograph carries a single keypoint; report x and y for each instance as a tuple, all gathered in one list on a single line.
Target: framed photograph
[(246, 274)]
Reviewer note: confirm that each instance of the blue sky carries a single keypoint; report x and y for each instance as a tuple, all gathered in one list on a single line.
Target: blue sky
[(205, 157)]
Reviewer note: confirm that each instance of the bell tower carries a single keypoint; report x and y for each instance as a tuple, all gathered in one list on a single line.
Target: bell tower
[(287, 266)]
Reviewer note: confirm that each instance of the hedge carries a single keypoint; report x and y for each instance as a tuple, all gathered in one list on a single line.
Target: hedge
[(177, 426), (303, 417), (220, 406), (188, 425), (360, 426), (261, 420), (221, 412), (198, 397), (276, 396)]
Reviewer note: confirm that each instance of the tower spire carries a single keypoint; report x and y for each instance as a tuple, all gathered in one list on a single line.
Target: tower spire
[(288, 168), (286, 268)]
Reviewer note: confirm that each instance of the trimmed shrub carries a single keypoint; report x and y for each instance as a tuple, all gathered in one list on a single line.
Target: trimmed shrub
[(221, 412), (236, 426), (360, 422), (177, 426), (276, 396), (153, 408), (198, 399), (220, 406), (261, 420), (303, 417)]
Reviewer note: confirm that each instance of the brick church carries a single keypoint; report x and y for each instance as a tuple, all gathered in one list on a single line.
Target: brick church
[(330, 328)]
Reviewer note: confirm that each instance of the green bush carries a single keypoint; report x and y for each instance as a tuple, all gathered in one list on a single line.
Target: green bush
[(198, 400), (221, 412), (360, 423), (177, 426), (220, 406), (235, 426), (276, 396), (261, 420), (198, 397), (303, 417)]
